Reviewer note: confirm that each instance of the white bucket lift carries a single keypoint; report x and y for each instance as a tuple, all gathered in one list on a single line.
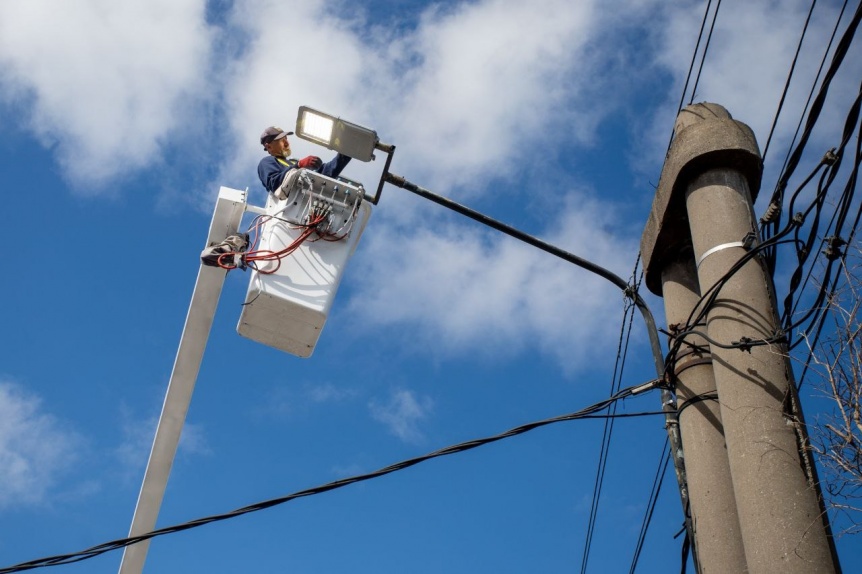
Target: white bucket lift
[(289, 297)]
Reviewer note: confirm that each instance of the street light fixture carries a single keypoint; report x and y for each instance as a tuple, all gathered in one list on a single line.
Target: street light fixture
[(344, 137), (336, 134)]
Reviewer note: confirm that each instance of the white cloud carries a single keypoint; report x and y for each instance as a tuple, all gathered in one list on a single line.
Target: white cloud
[(749, 58), (471, 93), (458, 290), (137, 441), (474, 94), (137, 436), (329, 393), (103, 83), (402, 414), (490, 79), (193, 440), (35, 448), (466, 90), (464, 93), (289, 401)]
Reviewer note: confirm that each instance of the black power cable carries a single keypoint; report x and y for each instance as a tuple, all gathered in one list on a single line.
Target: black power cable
[(789, 77), (691, 66), (705, 50), (813, 86), (833, 237), (664, 459), (588, 412), (777, 198), (607, 433)]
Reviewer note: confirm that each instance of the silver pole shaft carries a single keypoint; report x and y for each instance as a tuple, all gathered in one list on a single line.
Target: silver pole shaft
[(230, 206)]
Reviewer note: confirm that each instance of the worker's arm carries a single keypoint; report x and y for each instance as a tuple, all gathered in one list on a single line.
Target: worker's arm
[(333, 168), (271, 172)]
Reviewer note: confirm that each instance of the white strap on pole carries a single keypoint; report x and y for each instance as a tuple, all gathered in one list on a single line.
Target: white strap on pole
[(718, 248)]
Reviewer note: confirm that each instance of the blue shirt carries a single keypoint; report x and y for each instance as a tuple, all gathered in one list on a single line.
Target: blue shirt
[(271, 170)]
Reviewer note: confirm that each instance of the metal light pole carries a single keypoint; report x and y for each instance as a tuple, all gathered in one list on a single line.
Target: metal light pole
[(230, 206)]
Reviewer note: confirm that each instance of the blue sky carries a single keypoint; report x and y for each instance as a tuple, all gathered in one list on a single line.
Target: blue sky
[(120, 122)]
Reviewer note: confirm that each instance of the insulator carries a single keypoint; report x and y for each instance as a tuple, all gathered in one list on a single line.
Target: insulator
[(772, 213)]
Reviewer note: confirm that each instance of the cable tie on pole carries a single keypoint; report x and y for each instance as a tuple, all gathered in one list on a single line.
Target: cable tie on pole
[(718, 248)]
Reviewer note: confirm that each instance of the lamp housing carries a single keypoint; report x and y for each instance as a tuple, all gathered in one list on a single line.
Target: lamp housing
[(336, 134)]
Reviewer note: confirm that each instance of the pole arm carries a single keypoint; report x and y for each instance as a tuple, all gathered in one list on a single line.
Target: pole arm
[(230, 205), (667, 398), (627, 289)]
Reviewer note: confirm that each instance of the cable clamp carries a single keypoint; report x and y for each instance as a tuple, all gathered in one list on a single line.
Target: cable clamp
[(830, 157), (645, 387), (744, 344), (833, 250)]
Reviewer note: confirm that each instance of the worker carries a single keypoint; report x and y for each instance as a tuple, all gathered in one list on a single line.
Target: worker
[(275, 166)]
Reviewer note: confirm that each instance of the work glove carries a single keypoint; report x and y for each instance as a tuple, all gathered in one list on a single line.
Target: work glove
[(310, 162)]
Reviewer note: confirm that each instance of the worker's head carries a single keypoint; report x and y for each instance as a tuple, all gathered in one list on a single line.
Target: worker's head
[(274, 140)]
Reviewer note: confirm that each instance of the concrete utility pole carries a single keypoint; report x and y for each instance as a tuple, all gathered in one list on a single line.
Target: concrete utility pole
[(718, 542), (705, 200)]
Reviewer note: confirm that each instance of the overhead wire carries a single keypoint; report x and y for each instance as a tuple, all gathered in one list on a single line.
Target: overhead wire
[(655, 344), (825, 301), (691, 65), (664, 460), (787, 82), (814, 85), (705, 50), (802, 229), (794, 231), (832, 238), (694, 56), (777, 199), (607, 432), (98, 550)]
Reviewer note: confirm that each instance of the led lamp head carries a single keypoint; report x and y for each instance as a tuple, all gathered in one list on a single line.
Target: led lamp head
[(336, 134)]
